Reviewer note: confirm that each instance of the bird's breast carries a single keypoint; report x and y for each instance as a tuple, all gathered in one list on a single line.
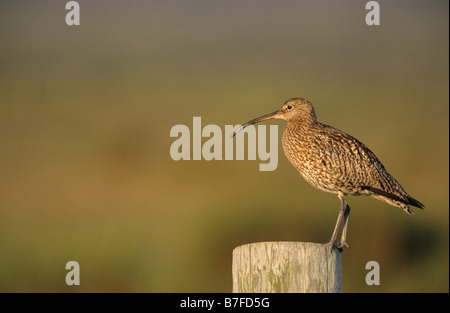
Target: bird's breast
[(314, 159)]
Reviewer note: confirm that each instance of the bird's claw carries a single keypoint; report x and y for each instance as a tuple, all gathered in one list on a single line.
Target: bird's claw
[(340, 246)]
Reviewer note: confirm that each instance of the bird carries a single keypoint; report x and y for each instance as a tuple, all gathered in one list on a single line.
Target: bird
[(335, 162)]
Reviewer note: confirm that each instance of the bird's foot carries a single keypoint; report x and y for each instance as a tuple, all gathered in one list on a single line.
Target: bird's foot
[(333, 244), (340, 246)]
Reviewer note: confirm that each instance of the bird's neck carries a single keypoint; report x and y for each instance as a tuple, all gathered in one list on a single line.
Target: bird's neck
[(301, 126)]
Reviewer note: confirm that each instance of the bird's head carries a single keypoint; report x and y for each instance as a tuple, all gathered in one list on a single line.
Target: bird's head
[(293, 110)]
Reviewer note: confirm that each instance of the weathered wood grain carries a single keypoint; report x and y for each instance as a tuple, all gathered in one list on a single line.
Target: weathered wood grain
[(287, 267)]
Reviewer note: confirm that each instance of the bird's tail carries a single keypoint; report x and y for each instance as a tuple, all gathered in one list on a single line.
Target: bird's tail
[(402, 202), (414, 202)]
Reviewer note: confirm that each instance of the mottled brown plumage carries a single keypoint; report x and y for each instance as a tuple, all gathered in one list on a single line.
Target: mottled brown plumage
[(334, 161)]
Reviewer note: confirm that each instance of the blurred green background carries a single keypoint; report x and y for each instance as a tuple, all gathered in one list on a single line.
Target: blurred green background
[(86, 111)]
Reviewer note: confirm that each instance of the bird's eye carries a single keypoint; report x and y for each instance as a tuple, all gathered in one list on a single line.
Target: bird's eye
[(289, 107)]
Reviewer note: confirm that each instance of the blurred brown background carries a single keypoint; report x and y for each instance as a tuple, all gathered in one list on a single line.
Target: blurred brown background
[(85, 115)]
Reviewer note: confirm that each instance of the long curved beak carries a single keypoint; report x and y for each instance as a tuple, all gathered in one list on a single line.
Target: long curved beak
[(276, 114)]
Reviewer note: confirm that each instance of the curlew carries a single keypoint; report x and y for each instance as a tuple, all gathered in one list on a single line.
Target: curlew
[(335, 162)]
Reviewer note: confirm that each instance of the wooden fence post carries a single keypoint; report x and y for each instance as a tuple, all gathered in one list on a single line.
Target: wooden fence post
[(287, 267)]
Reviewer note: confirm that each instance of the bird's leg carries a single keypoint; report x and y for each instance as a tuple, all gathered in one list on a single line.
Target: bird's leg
[(343, 242), (338, 223), (344, 212)]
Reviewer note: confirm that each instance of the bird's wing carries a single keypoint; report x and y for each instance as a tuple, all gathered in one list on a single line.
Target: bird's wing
[(354, 165)]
